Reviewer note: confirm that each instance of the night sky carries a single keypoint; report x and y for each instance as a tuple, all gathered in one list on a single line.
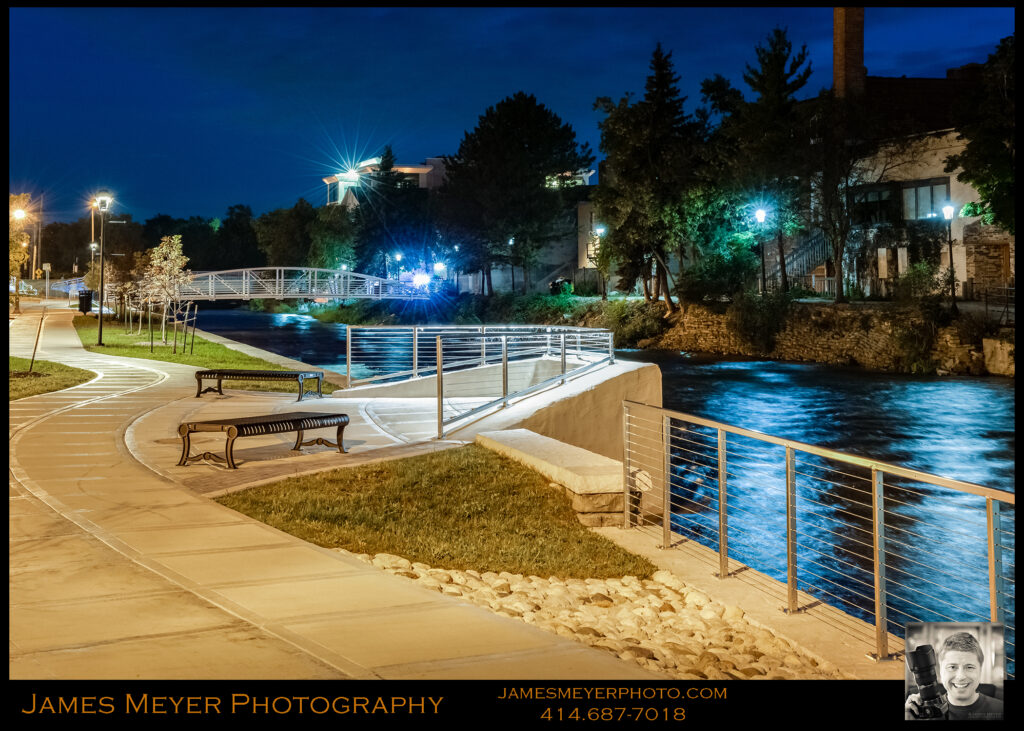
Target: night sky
[(186, 111)]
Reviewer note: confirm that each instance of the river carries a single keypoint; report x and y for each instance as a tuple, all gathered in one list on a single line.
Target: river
[(961, 427)]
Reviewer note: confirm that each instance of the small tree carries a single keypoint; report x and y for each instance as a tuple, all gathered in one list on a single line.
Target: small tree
[(165, 276)]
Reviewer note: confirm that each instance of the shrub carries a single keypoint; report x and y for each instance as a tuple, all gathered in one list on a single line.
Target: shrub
[(757, 319), (717, 275)]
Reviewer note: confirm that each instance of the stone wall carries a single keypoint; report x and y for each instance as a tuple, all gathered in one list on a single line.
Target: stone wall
[(990, 256), (870, 335)]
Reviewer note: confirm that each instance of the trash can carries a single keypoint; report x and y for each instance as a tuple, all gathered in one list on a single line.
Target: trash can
[(85, 301)]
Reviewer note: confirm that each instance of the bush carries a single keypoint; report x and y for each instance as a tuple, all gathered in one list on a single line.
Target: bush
[(919, 281), (717, 275), (760, 319), (631, 322)]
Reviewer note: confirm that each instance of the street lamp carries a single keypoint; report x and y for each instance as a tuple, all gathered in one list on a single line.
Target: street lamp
[(947, 211), (103, 201), (760, 215), (92, 253)]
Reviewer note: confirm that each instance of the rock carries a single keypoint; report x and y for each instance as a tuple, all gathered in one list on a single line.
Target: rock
[(388, 561), (697, 599)]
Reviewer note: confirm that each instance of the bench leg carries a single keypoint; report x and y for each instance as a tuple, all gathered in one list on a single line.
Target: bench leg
[(229, 453), (302, 389), (199, 386), (186, 445), (298, 442), (325, 442)]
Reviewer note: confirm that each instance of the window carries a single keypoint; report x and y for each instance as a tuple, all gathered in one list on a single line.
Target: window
[(874, 204), (925, 198)]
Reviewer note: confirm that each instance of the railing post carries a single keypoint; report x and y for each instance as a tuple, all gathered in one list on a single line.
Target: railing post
[(666, 508), (440, 391), (483, 346), (348, 356), (504, 370), (611, 347), (723, 528), (625, 465), (415, 351), (878, 559), (995, 560), (563, 357), (791, 603)]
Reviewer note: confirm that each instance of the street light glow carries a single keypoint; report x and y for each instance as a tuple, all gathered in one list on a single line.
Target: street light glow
[(760, 214), (947, 211)]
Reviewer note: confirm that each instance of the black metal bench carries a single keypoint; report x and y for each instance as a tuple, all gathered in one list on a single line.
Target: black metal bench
[(249, 426), (237, 374)]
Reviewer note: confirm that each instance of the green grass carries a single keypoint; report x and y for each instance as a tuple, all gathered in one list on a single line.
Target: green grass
[(46, 376), (204, 355), (460, 508)]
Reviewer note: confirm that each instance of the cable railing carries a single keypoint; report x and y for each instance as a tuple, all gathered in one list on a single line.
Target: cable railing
[(886, 544), (474, 368)]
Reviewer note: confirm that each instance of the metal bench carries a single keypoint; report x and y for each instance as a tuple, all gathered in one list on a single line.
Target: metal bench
[(250, 426), (232, 374)]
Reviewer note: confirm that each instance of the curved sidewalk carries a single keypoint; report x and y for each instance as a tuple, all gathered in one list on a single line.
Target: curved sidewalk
[(118, 570)]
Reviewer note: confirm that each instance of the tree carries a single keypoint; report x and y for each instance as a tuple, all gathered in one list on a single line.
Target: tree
[(236, 240), (985, 119), (650, 148), (332, 239), (851, 146), (505, 188), (760, 141), (165, 275), (283, 235), (392, 218)]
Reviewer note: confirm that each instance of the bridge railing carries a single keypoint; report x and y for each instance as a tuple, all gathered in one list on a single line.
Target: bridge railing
[(474, 368), (287, 282), (883, 543)]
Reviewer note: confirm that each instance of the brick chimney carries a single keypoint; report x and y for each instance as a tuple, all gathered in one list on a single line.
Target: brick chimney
[(848, 72)]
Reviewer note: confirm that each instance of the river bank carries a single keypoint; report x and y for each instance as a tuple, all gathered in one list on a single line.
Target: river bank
[(921, 338)]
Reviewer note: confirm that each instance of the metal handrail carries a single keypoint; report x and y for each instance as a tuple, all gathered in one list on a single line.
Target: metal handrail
[(376, 354), (848, 538)]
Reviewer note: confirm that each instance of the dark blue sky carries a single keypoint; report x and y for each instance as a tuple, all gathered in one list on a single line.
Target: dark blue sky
[(186, 111)]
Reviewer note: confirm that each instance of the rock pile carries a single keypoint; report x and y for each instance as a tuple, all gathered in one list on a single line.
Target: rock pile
[(660, 623)]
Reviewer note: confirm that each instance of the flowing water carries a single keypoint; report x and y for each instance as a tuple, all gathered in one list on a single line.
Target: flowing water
[(955, 427)]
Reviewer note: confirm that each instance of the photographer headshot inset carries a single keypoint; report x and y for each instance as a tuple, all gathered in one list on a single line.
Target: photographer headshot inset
[(955, 671)]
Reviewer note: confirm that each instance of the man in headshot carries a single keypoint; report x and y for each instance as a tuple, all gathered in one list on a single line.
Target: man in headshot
[(960, 660)]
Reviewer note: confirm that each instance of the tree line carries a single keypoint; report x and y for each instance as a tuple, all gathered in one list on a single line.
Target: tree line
[(678, 193)]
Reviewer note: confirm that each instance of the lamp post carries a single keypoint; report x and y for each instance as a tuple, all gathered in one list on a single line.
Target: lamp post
[(103, 201), (947, 211), (760, 215)]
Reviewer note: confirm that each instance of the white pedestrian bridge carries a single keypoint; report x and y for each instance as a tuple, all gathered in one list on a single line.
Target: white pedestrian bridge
[(284, 283)]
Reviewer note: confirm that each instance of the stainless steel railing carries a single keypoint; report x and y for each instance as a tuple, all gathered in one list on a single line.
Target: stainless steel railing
[(475, 368), (883, 543)]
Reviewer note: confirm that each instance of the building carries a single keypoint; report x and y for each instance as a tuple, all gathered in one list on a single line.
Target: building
[(428, 174), (921, 111)]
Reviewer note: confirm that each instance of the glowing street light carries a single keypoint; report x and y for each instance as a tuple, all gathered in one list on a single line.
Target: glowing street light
[(947, 211), (103, 203), (760, 214)]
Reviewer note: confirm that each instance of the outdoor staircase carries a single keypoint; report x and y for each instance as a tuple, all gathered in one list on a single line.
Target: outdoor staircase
[(805, 257)]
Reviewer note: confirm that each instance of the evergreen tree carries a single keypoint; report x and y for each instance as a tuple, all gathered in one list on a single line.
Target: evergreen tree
[(650, 148), (759, 145)]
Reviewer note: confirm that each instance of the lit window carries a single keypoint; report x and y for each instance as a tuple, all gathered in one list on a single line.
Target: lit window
[(925, 198)]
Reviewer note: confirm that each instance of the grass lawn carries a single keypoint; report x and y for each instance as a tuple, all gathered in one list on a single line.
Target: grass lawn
[(46, 376), (460, 508), (204, 355)]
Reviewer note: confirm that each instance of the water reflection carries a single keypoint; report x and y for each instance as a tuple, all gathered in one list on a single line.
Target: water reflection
[(957, 427)]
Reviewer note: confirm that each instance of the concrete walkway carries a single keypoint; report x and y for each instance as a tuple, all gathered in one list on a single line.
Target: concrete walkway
[(122, 567)]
